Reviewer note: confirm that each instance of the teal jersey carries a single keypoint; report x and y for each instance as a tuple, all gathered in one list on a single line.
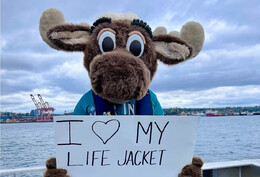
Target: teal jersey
[(86, 106)]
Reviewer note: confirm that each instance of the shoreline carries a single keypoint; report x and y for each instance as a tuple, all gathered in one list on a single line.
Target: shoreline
[(164, 115)]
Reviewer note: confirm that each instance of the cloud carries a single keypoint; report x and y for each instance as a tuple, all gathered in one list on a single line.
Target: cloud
[(212, 68), (215, 97), (21, 102), (229, 59), (70, 76)]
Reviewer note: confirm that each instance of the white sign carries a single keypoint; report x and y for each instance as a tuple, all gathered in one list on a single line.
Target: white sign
[(98, 146)]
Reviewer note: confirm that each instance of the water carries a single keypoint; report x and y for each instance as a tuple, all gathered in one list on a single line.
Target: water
[(228, 138), (219, 139)]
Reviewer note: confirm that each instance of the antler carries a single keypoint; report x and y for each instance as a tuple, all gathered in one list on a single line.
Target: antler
[(49, 19), (192, 32)]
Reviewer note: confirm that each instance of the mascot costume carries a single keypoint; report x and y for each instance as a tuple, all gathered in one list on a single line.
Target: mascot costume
[(121, 54)]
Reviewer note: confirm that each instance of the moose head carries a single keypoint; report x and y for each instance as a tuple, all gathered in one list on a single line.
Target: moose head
[(120, 51)]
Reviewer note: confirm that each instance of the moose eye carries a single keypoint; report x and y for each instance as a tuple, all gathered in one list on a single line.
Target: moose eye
[(135, 45), (107, 41)]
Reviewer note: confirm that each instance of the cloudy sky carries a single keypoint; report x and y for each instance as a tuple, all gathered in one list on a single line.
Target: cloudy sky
[(226, 72)]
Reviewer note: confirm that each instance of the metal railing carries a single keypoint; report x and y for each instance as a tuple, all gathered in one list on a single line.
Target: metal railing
[(213, 168), (19, 171)]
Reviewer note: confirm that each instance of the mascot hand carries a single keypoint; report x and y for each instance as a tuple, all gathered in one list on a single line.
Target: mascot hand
[(192, 170), (52, 171)]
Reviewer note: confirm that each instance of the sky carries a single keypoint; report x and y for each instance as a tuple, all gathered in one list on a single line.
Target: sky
[(225, 73)]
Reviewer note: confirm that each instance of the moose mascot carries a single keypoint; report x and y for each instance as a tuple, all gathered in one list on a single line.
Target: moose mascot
[(121, 56)]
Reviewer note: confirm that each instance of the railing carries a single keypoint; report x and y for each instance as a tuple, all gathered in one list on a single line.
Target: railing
[(19, 171), (240, 168)]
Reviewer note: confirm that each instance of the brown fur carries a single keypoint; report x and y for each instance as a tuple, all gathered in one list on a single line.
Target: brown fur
[(120, 76), (193, 169), (52, 171), (55, 173), (197, 161), (68, 30), (122, 29), (168, 61), (51, 163), (172, 50), (129, 88), (168, 40), (107, 81)]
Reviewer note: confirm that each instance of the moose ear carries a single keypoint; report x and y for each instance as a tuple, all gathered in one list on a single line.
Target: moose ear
[(175, 47), (60, 35)]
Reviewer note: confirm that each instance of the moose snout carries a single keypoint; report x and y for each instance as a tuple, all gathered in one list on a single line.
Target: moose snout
[(119, 76)]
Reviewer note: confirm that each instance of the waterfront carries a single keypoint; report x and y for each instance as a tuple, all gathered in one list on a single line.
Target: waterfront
[(219, 139)]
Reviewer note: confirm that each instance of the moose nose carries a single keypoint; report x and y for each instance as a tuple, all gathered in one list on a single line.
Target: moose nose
[(118, 75), (123, 52)]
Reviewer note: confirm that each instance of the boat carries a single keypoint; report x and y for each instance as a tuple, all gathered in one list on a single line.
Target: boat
[(256, 113), (243, 113), (211, 113)]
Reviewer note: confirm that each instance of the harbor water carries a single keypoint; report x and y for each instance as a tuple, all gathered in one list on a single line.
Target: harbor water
[(219, 139)]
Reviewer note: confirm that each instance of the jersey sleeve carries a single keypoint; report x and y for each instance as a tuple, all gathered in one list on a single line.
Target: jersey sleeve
[(84, 103), (157, 109)]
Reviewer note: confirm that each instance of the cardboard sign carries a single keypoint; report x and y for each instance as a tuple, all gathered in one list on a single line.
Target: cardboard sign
[(98, 146)]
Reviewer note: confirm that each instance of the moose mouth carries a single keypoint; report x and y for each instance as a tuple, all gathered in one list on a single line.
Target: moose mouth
[(119, 77)]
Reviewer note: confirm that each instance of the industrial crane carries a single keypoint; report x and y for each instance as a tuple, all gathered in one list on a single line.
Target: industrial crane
[(46, 112)]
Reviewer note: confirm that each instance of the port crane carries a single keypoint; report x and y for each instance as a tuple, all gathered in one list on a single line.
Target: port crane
[(44, 113)]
